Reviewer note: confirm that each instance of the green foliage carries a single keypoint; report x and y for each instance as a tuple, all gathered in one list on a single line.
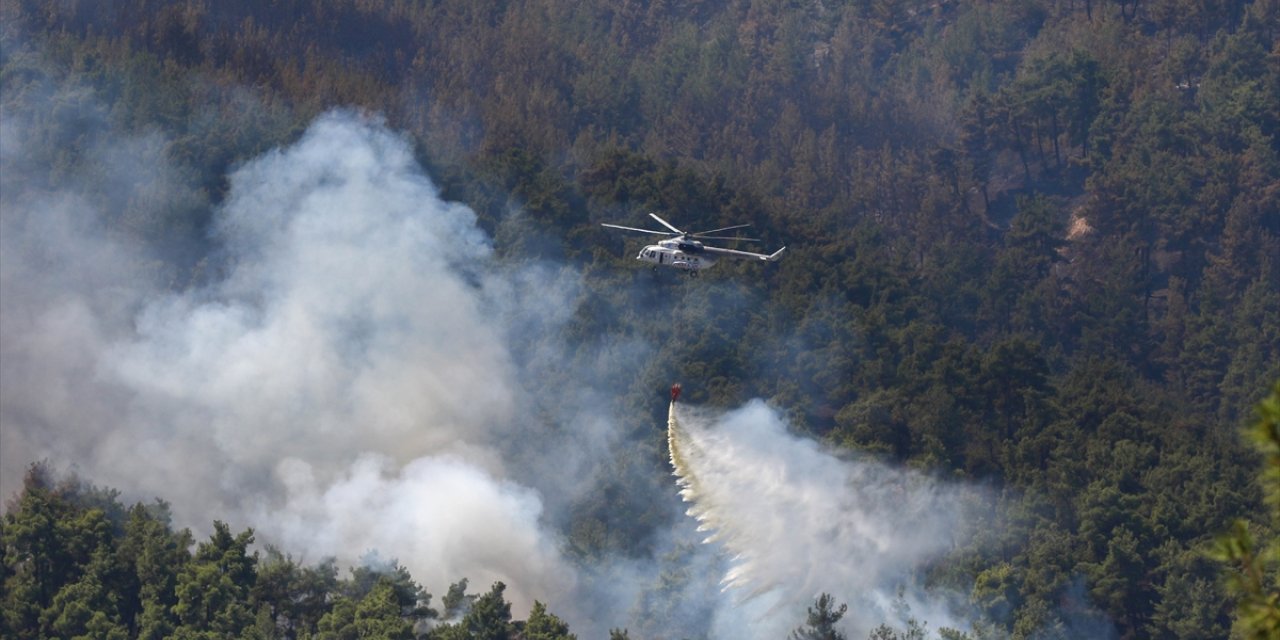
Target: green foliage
[(78, 564), (338, 623), (213, 589), (296, 596), (376, 615), (543, 625), (1252, 580), (487, 618), (1265, 436), (62, 577), (820, 624), (1252, 565), (456, 601), (411, 600)]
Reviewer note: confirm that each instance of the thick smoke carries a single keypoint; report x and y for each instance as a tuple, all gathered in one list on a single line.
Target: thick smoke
[(341, 325), (800, 522), (72, 275), (342, 383)]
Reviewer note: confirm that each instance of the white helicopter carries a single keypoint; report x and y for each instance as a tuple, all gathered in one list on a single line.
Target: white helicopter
[(686, 251)]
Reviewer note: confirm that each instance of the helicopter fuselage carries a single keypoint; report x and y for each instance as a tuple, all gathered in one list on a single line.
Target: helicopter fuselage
[(676, 253)]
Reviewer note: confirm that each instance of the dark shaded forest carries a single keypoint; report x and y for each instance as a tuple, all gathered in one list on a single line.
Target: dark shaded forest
[(1034, 244)]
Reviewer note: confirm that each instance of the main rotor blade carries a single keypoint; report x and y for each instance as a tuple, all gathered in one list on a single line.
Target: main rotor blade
[(665, 223), (736, 226), (744, 239), (618, 226)]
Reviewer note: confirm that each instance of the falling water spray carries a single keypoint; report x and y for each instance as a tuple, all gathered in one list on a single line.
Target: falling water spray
[(799, 521)]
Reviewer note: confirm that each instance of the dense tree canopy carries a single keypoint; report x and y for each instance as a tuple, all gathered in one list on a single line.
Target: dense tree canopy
[(79, 564)]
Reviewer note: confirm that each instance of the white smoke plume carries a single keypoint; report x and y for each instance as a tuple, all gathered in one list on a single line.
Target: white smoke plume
[(342, 323), (342, 382), (799, 522)]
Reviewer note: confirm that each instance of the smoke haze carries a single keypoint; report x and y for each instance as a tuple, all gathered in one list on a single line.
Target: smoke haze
[(347, 375), (341, 387)]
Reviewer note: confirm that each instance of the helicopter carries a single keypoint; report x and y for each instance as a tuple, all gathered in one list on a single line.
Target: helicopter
[(686, 251)]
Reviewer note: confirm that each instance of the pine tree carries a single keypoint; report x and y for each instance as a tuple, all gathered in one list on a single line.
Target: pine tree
[(821, 623), (1251, 575)]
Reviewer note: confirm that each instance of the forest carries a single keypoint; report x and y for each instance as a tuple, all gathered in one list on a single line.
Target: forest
[(1033, 246)]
